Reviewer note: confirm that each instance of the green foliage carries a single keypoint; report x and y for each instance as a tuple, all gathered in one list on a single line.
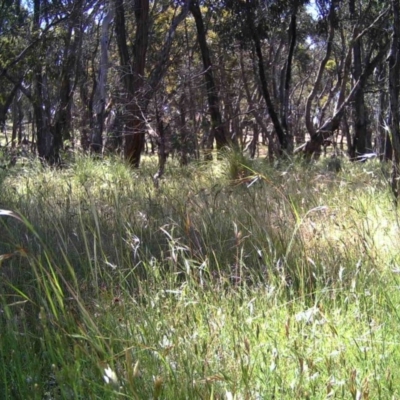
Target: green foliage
[(303, 58), (239, 166), (232, 280), (331, 66)]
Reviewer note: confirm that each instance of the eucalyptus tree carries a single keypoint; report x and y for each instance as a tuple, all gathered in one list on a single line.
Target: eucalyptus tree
[(89, 66), (217, 130), (255, 21), (394, 92), (362, 140), (140, 82), (328, 24), (45, 64), (14, 31), (70, 42), (45, 69), (100, 94), (362, 16), (357, 62), (9, 92)]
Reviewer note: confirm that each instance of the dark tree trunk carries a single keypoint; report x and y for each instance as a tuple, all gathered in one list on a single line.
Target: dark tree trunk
[(62, 122), (362, 141), (135, 130), (6, 105), (253, 109), (135, 123), (121, 38), (217, 126), (191, 100), (41, 106), (333, 123), (139, 95), (62, 119), (394, 81), (254, 141), (288, 75), (282, 137), (132, 147)]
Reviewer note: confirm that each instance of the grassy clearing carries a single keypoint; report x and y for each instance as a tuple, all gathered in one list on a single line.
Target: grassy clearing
[(233, 280)]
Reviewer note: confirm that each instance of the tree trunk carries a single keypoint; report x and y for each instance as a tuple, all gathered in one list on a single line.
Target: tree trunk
[(47, 148), (308, 120), (6, 105), (253, 109), (135, 123), (217, 127), (128, 80), (120, 32), (137, 95), (193, 129), (62, 125), (254, 141), (282, 137), (288, 75), (333, 123), (394, 81), (101, 92), (362, 142)]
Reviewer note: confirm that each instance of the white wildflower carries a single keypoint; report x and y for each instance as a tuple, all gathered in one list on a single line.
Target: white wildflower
[(110, 376)]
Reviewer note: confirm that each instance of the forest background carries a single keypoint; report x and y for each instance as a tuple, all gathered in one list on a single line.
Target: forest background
[(254, 253)]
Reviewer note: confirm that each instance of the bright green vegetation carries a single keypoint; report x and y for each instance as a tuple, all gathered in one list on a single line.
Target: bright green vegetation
[(224, 283)]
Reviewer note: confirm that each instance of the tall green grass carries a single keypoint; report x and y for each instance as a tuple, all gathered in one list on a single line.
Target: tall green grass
[(233, 280)]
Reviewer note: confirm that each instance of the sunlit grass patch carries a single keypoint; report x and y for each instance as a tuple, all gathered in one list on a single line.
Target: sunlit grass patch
[(257, 282), (195, 343)]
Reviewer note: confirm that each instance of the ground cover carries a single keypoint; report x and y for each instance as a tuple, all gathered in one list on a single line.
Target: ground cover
[(233, 280)]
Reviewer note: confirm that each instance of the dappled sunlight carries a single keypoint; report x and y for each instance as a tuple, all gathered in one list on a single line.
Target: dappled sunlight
[(232, 278)]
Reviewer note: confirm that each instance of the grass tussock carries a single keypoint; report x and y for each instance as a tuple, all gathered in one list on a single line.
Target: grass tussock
[(233, 280)]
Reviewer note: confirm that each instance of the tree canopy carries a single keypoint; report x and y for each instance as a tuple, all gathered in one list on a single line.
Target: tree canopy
[(178, 76)]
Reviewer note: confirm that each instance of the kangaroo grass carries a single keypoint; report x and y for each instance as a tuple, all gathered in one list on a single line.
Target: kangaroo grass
[(231, 280)]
